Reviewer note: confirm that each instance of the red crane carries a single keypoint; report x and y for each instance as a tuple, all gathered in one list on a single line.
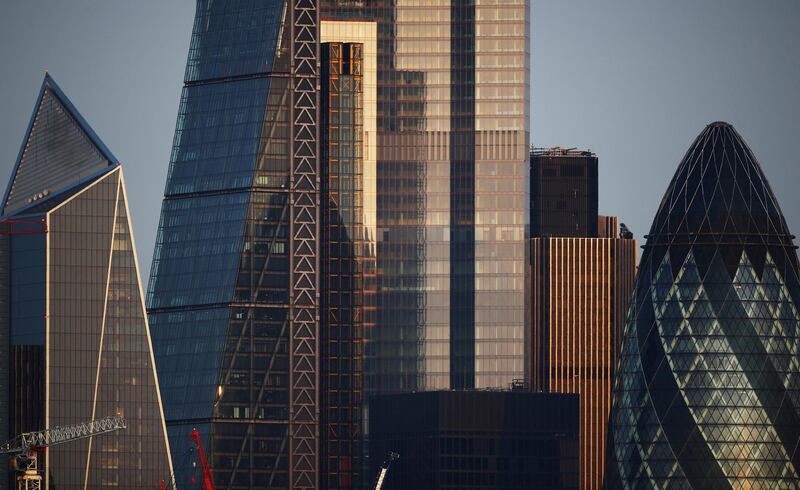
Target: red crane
[(205, 469)]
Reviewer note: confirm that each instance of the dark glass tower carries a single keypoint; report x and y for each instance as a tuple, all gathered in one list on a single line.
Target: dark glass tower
[(73, 311), (708, 387), (232, 297), (563, 193)]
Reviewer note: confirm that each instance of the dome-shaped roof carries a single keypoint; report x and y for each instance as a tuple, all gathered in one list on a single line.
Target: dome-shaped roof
[(719, 189), (719, 195)]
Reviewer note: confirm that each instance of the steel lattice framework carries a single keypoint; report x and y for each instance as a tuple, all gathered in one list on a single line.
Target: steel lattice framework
[(304, 341), (59, 435)]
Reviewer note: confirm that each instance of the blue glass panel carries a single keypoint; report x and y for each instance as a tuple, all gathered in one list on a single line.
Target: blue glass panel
[(197, 251), (235, 37), (28, 291), (217, 136), (187, 346)]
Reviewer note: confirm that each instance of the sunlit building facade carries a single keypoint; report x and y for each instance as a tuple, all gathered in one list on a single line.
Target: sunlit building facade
[(347, 250), (707, 391), (233, 292), (452, 148), (580, 288), (582, 268), (73, 310)]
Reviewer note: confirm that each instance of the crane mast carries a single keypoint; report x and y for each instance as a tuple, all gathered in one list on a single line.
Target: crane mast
[(385, 469), (25, 447), (205, 468)]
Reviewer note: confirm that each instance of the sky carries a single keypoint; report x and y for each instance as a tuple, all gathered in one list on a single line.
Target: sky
[(634, 81)]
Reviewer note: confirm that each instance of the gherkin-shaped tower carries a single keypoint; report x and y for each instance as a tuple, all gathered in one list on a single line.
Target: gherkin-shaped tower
[(707, 391)]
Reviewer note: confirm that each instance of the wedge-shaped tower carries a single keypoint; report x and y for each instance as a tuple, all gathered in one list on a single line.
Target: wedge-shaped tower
[(73, 307), (708, 387), (233, 292)]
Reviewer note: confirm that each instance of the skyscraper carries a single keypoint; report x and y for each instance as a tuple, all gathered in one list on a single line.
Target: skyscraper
[(563, 193), (580, 288), (233, 290), (580, 285), (73, 307), (347, 299), (707, 393), (452, 149)]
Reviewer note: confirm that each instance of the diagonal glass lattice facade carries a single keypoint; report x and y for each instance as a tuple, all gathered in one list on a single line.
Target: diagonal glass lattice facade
[(708, 387), (232, 293)]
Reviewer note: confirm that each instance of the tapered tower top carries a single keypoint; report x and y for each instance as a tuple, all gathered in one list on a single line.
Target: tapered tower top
[(60, 151), (719, 193)]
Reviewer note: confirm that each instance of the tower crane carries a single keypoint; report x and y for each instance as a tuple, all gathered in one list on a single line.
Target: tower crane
[(387, 463), (25, 447)]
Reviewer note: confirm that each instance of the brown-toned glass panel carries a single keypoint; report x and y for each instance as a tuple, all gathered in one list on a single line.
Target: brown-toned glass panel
[(580, 288), (80, 241)]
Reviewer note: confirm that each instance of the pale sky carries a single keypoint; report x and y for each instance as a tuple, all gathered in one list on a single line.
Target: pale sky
[(634, 81)]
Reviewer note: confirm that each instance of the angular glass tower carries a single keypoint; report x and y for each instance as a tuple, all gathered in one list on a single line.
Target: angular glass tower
[(73, 307), (233, 291), (707, 393)]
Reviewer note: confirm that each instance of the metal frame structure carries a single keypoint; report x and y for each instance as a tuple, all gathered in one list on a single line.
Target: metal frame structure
[(26, 447), (304, 295)]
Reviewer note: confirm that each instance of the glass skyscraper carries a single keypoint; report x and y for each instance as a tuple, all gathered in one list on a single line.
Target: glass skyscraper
[(347, 266), (233, 290), (452, 149), (72, 308), (582, 268), (707, 391)]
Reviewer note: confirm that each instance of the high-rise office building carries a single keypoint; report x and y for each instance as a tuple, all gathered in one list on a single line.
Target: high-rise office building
[(73, 311), (707, 393), (477, 439), (347, 266), (580, 288), (563, 193), (452, 150), (233, 293)]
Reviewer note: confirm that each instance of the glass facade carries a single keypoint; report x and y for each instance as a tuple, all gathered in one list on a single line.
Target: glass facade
[(347, 287), (579, 293), (232, 292), (708, 387), (564, 193), (452, 197), (79, 340)]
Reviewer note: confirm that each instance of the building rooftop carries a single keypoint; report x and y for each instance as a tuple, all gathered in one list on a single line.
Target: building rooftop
[(558, 151)]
